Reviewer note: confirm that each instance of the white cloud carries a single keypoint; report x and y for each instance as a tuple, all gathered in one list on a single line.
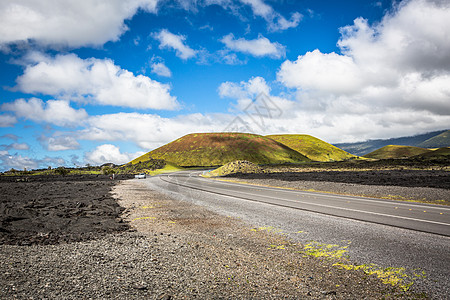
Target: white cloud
[(283, 24), (7, 120), (149, 131), (16, 161), (70, 23), (97, 80), (412, 38), (275, 21), (332, 73), (391, 79), (57, 112), (161, 69), (59, 143), (176, 42), (245, 89), (20, 162), (255, 104), (16, 146), (20, 146), (108, 153), (258, 47), (229, 58)]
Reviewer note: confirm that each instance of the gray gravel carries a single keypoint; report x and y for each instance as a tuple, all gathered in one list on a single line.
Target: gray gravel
[(179, 250)]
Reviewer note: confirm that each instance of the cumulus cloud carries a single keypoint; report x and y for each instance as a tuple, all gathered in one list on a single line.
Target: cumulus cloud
[(255, 105), (70, 23), (16, 161), (57, 112), (16, 146), (258, 47), (7, 120), (390, 78), (21, 162), (59, 143), (159, 68), (275, 21), (176, 42), (108, 153), (331, 73), (244, 89), (229, 58), (96, 80), (135, 127)]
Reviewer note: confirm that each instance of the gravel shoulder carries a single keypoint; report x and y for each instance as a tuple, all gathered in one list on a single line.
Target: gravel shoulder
[(176, 249)]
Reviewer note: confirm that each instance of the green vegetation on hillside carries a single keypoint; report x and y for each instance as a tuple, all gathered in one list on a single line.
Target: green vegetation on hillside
[(216, 149), (141, 166), (239, 166), (441, 154), (395, 151), (169, 167), (312, 147), (150, 166), (438, 141)]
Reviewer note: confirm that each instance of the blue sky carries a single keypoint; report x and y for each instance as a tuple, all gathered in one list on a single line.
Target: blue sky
[(105, 81)]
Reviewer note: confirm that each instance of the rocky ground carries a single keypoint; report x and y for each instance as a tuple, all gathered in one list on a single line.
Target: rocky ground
[(53, 209), (172, 249)]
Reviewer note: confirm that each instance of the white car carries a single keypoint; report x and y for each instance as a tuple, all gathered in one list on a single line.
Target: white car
[(140, 176)]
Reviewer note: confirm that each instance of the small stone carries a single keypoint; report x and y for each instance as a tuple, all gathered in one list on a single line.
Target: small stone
[(326, 293), (141, 286)]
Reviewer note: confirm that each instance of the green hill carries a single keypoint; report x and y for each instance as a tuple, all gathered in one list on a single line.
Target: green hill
[(438, 154), (312, 147), (438, 141), (396, 151), (214, 149)]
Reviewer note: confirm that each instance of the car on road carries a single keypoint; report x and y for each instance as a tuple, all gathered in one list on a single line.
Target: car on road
[(140, 176)]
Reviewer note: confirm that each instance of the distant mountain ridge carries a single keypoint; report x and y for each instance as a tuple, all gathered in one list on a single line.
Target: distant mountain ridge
[(438, 141), (435, 139)]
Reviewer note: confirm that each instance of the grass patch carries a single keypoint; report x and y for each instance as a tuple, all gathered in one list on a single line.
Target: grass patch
[(312, 147), (239, 166), (397, 277), (396, 152)]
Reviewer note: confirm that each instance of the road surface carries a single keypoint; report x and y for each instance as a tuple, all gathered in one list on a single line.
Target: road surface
[(387, 233), (420, 217)]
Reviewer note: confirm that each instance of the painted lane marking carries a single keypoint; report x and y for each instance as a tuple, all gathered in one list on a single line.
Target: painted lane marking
[(325, 195), (326, 206)]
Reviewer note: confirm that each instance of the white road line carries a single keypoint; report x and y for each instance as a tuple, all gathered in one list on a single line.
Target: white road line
[(332, 196), (347, 209)]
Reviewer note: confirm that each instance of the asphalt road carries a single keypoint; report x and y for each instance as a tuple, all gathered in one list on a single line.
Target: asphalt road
[(420, 217), (369, 242)]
